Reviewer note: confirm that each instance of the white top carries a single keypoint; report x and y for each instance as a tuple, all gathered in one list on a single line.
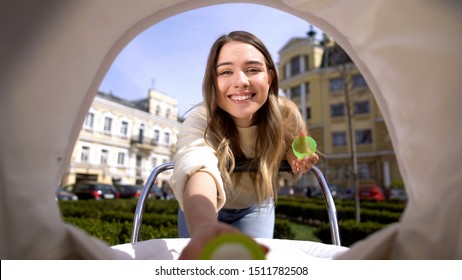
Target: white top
[(194, 155)]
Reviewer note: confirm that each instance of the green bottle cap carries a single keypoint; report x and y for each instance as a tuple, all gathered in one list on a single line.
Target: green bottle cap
[(304, 146), (232, 246)]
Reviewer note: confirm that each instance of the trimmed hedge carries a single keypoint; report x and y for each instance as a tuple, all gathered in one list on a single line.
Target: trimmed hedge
[(350, 231), (111, 220), (114, 233), (308, 210), (313, 211)]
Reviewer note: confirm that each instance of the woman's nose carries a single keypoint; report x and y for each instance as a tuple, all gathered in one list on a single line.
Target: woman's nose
[(241, 80)]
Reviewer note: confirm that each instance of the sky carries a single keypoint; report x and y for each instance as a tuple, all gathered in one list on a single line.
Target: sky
[(170, 56)]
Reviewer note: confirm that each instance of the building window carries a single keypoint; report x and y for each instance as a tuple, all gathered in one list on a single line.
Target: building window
[(141, 134), (167, 114), (295, 93), (339, 138), (156, 136), (306, 65), (308, 113), (364, 171), (104, 156), (124, 128), (154, 162), (307, 91), (84, 156), (295, 66), (167, 138), (363, 136), (107, 125), (337, 110), (286, 72), (340, 172), (139, 160), (336, 84), (89, 120), (358, 81), (362, 107), (121, 158), (157, 110)]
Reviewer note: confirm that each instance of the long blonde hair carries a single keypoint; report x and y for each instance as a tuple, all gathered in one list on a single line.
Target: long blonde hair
[(222, 134)]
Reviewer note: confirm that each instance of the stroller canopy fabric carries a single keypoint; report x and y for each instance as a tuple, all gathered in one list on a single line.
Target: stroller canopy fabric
[(55, 53)]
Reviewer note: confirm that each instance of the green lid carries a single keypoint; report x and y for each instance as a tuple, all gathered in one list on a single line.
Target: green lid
[(303, 146), (232, 246)]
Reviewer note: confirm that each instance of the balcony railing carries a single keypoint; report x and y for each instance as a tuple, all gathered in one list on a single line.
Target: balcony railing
[(148, 143), (142, 142)]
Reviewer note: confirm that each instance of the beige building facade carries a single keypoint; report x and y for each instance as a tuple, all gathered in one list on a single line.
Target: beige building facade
[(310, 76), (122, 141)]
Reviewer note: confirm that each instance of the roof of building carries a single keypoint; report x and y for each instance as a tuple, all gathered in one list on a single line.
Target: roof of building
[(335, 55), (140, 104), (292, 42)]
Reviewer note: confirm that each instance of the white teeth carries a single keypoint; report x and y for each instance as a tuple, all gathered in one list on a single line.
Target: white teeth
[(240, 97)]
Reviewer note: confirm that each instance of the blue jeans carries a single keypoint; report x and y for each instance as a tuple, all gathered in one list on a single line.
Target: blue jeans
[(253, 221)]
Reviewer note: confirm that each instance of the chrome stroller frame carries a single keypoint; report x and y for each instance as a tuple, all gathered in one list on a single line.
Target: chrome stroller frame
[(240, 167)]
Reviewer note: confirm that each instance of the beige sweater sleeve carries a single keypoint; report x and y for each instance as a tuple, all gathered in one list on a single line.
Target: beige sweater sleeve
[(195, 155)]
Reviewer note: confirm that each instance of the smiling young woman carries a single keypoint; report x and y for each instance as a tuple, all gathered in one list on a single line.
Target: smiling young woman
[(242, 117)]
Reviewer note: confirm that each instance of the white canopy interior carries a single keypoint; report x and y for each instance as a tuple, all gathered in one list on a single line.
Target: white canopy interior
[(54, 55)]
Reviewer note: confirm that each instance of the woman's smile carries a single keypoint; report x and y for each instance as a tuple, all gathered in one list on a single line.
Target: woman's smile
[(242, 97)]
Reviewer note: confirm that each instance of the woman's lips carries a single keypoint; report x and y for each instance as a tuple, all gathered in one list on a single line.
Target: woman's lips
[(241, 97)]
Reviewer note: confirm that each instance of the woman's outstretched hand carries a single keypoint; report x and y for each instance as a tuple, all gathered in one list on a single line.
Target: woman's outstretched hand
[(301, 165), (203, 235)]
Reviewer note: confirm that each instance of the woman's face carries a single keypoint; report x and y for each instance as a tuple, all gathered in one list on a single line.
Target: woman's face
[(243, 81)]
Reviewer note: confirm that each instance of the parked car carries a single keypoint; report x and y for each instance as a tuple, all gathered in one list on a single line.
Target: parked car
[(68, 188), (129, 191), (95, 190), (65, 195), (397, 194), (293, 191), (335, 191), (371, 193), (349, 193), (156, 193)]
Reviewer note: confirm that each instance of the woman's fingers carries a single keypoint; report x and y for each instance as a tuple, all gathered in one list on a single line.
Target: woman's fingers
[(305, 164), (294, 166), (314, 158)]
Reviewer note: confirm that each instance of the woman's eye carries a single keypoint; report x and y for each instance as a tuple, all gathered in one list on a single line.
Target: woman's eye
[(253, 70), (225, 72)]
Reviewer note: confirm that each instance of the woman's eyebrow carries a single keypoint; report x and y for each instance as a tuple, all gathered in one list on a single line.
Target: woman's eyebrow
[(223, 64), (247, 63)]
